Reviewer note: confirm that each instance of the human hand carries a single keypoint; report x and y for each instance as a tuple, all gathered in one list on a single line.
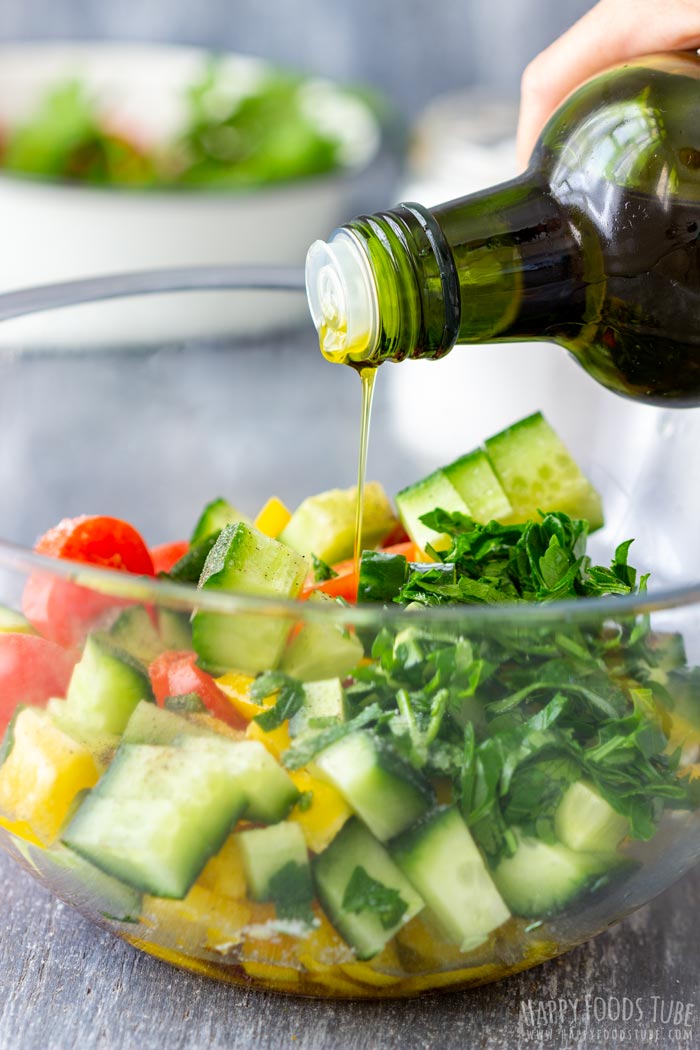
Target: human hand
[(612, 31)]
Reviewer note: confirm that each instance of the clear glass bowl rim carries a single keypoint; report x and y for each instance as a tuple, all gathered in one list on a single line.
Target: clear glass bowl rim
[(14, 557)]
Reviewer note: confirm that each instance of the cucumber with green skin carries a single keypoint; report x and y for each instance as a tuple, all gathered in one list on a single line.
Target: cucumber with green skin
[(269, 791), (135, 632), (106, 685), (190, 566), (156, 817), (100, 743), (365, 929), (379, 786), (175, 629), (85, 886), (244, 561), (476, 482), (585, 822), (321, 650), (422, 497), (150, 724), (267, 854), (323, 699), (215, 516), (542, 878), (442, 862), (538, 473)]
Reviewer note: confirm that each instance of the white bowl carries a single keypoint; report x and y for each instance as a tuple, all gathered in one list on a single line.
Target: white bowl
[(54, 230)]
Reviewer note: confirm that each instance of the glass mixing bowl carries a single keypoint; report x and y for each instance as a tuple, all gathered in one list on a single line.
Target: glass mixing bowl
[(103, 416)]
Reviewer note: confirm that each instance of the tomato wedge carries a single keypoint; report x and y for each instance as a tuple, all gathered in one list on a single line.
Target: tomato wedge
[(64, 611), (32, 671), (175, 673), (98, 540), (167, 554)]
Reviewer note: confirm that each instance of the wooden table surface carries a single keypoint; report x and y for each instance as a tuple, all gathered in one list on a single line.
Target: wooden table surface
[(66, 984)]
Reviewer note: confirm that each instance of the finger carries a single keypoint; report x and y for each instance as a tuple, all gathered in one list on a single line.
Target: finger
[(611, 32)]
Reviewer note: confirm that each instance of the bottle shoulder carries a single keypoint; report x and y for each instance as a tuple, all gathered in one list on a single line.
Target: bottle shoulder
[(635, 127)]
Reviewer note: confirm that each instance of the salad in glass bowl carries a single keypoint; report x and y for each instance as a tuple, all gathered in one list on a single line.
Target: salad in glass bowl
[(255, 756)]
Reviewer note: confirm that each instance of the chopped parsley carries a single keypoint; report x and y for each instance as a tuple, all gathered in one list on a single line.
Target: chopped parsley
[(363, 893)]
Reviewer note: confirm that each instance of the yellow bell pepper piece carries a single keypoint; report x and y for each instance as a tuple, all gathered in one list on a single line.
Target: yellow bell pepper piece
[(323, 949), (271, 972), (201, 920), (223, 873), (20, 830), (325, 815), (273, 517), (236, 686), (446, 978), (275, 740), (376, 972), (43, 773), (268, 957)]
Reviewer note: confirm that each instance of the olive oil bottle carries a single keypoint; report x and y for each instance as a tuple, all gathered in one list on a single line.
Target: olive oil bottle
[(596, 247)]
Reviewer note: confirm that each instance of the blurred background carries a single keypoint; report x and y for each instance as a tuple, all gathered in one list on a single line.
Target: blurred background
[(412, 49), (110, 162)]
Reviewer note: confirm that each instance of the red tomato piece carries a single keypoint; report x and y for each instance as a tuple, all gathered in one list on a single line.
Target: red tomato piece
[(175, 673), (32, 671), (63, 611), (98, 540), (167, 554)]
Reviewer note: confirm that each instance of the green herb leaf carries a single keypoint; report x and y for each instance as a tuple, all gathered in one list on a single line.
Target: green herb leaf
[(292, 891), (322, 571), (305, 748), (290, 698), (363, 893)]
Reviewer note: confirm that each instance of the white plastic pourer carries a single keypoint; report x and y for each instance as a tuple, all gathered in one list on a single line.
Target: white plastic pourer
[(342, 298)]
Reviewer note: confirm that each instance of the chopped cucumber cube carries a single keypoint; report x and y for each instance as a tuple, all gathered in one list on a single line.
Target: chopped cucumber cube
[(322, 700), (375, 782), (476, 482), (440, 858), (542, 878), (154, 725), (390, 900), (585, 822), (435, 491), (215, 516), (156, 817), (269, 790), (267, 854), (321, 650), (537, 472), (246, 562), (106, 686), (135, 633)]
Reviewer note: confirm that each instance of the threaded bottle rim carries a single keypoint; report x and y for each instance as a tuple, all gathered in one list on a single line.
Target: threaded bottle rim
[(342, 295)]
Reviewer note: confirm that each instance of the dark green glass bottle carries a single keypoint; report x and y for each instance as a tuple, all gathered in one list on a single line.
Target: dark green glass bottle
[(595, 247)]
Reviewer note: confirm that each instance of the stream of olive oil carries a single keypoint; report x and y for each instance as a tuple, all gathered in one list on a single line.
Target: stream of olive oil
[(367, 377)]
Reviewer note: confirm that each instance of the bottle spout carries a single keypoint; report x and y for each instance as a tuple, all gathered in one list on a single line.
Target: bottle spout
[(342, 297)]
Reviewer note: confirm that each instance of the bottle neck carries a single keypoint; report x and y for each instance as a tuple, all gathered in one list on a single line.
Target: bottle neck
[(499, 265)]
